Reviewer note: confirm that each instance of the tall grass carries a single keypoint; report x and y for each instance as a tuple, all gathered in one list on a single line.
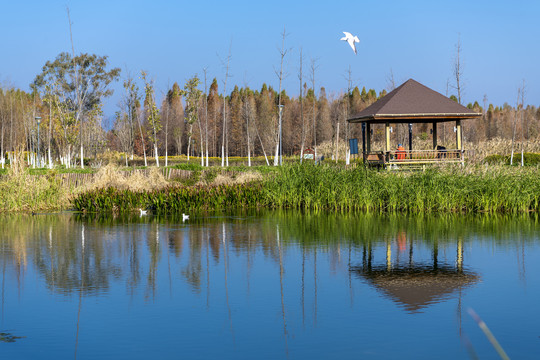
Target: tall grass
[(20, 191), (452, 189), (171, 199)]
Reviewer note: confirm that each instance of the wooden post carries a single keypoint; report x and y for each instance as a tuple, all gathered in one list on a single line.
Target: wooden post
[(368, 138), (387, 137), (364, 141), (459, 141), (434, 136), (458, 135), (410, 141)]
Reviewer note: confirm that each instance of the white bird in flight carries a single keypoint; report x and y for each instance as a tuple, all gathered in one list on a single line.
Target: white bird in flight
[(351, 40)]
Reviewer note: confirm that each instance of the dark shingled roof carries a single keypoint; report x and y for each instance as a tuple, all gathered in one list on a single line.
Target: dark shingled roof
[(413, 102)]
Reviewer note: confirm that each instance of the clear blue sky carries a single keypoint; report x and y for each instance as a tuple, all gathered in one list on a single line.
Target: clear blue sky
[(173, 40)]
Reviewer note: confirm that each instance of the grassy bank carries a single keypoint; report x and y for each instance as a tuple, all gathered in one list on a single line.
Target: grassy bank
[(452, 189), (20, 191)]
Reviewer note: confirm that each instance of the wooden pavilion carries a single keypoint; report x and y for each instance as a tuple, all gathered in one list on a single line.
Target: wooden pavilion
[(412, 103)]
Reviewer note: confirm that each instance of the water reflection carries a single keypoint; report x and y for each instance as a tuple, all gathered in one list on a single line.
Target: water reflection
[(77, 252), (296, 267), (413, 282)]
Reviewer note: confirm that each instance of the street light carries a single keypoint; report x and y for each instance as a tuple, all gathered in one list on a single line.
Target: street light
[(38, 120), (280, 136)]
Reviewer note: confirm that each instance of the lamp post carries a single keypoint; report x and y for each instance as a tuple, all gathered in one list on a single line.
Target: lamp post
[(280, 136), (38, 120)]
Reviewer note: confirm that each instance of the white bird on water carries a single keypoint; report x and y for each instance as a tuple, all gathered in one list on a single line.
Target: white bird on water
[(351, 40), (143, 212), (185, 217)]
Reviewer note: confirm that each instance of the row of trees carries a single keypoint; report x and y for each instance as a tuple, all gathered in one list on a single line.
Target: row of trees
[(197, 119)]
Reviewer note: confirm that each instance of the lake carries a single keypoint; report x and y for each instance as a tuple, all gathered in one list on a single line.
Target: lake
[(268, 285)]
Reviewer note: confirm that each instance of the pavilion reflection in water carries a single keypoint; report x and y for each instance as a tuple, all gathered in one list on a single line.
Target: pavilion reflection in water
[(415, 283)]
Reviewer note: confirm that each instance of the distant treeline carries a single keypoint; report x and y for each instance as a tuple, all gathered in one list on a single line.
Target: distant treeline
[(199, 119)]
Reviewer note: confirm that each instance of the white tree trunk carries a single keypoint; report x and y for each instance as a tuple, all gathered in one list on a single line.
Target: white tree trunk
[(222, 155), (82, 157)]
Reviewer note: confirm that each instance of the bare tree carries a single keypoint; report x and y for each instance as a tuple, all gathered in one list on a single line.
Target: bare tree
[(224, 144), (206, 114), (390, 81), (280, 76), (301, 100), (522, 124), (313, 68), (514, 125), (458, 70), (166, 106), (78, 117), (248, 112), (152, 113)]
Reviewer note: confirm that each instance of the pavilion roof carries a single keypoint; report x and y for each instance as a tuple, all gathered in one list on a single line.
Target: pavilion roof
[(413, 102)]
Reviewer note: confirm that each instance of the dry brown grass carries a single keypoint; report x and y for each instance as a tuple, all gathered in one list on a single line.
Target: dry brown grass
[(241, 178), (23, 192), (112, 176)]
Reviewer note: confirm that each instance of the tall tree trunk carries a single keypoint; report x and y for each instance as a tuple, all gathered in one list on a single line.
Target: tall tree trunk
[(189, 141), (167, 135), (142, 141), (50, 137), (279, 156), (206, 115), (224, 135), (300, 77)]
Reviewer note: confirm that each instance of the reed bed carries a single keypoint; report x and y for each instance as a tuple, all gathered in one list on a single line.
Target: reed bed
[(493, 189), (449, 189), (171, 199), (20, 191)]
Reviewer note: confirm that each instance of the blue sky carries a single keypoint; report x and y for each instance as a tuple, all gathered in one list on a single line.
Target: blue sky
[(173, 40)]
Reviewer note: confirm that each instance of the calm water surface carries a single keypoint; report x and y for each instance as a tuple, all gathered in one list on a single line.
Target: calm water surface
[(275, 285)]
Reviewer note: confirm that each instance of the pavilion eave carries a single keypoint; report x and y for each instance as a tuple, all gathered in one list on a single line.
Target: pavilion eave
[(413, 118)]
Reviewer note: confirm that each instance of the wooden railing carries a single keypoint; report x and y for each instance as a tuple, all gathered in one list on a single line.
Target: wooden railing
[(424, 156), (413, 157)]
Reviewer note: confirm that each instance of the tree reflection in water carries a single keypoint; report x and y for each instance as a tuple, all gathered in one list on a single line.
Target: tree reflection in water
[(414, 261), (57, 245)]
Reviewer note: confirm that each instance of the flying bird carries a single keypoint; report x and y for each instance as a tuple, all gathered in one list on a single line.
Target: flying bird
[(351, 40)]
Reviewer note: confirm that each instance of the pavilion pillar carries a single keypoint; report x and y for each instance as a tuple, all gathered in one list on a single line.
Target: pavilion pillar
[(459, 141), (368, 144), (434, 136), (364, 141), (387, 137), (410, 141), (458, 135)]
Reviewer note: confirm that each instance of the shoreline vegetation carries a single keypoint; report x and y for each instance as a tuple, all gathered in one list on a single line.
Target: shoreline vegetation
[(480, 188)]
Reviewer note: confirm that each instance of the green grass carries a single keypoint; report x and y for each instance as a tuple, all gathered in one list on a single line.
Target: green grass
[(529, 159), (452, 189), (170, 200)]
